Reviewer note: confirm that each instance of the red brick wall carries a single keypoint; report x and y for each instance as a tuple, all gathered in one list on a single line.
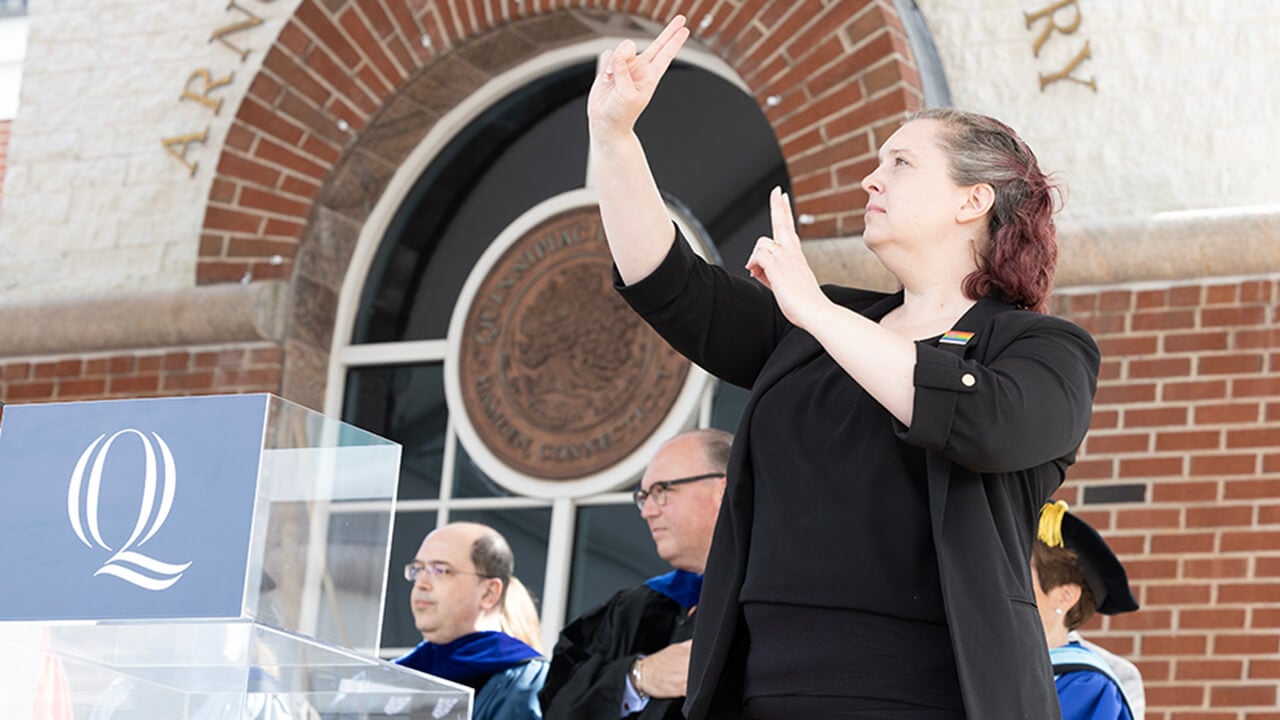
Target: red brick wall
[(157, 373), (1188, 412)]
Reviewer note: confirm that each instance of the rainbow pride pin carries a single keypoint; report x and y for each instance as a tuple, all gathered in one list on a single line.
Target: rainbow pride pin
[(956, 337)]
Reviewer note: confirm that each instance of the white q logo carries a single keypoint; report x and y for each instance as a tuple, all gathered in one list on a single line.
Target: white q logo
[(123, 562)]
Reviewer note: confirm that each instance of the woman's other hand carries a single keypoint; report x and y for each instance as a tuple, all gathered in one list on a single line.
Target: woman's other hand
[(626, 81), (779, 263)]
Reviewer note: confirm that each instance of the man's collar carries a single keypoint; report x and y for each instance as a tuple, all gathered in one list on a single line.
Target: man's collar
[(469, 658), (680, 585)]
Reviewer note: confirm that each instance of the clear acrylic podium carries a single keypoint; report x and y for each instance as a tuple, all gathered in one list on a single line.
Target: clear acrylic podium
[(214, 557)]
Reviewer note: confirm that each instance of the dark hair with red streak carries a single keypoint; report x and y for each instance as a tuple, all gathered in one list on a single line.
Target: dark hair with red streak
[(1020, 257)]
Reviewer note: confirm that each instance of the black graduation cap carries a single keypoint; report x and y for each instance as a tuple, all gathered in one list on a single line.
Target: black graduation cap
[(1102, 569)]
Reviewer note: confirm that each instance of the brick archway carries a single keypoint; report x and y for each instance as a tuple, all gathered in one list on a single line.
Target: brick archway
[(831, 77), (349, 89)]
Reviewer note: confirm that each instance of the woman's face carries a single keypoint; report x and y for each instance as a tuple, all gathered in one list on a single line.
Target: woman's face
[(911, 197)]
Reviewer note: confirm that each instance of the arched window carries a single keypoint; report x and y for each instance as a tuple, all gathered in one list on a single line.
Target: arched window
[(715, 157)]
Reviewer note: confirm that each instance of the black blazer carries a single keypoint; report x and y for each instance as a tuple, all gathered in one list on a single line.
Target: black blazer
[(1000, 419)]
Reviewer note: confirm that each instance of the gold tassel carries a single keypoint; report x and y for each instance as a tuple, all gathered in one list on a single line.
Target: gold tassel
[(1051, 523)]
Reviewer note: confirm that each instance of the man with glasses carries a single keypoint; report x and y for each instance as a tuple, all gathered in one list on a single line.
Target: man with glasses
[(460, 578), (630, 656)]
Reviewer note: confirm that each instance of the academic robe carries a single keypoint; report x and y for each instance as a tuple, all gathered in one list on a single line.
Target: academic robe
[(594, 653), (505, 672), (1125, 672), (1087, 689), (513, 693)]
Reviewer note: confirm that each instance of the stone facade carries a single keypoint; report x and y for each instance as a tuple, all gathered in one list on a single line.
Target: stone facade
[(88, 173), (1177, 118)]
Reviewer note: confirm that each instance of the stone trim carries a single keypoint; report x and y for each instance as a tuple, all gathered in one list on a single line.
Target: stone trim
[(1180, 247), (211, 315)]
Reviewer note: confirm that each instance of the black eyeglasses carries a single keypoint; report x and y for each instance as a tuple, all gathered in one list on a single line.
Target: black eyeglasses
[(436, 572), (658, 490)]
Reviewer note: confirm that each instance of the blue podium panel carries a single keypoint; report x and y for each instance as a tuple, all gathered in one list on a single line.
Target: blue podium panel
[(128, 509)]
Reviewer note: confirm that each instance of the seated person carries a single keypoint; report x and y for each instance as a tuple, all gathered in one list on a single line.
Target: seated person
[(630, 656), (1074, 574), (520, 616), (460, 579)]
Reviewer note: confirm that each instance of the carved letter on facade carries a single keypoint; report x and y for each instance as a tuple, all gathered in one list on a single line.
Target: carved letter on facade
[(210, 84), (185, 141), (1049, 13), (221, 33), (1065, 73)]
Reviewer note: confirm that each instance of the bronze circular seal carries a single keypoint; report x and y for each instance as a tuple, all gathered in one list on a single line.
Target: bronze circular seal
[(559, 377)]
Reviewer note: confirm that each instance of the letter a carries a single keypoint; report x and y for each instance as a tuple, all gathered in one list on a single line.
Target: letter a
[(185, 141)]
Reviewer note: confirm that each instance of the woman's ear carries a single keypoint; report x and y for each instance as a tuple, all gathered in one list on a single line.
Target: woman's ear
[(977, 203), (1066, 595)]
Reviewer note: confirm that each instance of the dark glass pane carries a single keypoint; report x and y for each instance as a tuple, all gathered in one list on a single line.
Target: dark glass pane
[(612, 550), (710, 147), (714, 152), (405, 404), (727, 403), (528, 147), (470, 481), (398, 630), (527, 531)]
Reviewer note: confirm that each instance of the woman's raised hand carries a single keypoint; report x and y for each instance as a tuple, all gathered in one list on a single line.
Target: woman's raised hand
[(626, 81), (779, 263)]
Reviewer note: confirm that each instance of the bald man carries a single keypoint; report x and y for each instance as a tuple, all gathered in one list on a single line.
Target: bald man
[(460, 578), (630, 656)]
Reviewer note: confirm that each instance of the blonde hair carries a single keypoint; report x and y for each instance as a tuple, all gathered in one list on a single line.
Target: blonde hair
[(520, 615)]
